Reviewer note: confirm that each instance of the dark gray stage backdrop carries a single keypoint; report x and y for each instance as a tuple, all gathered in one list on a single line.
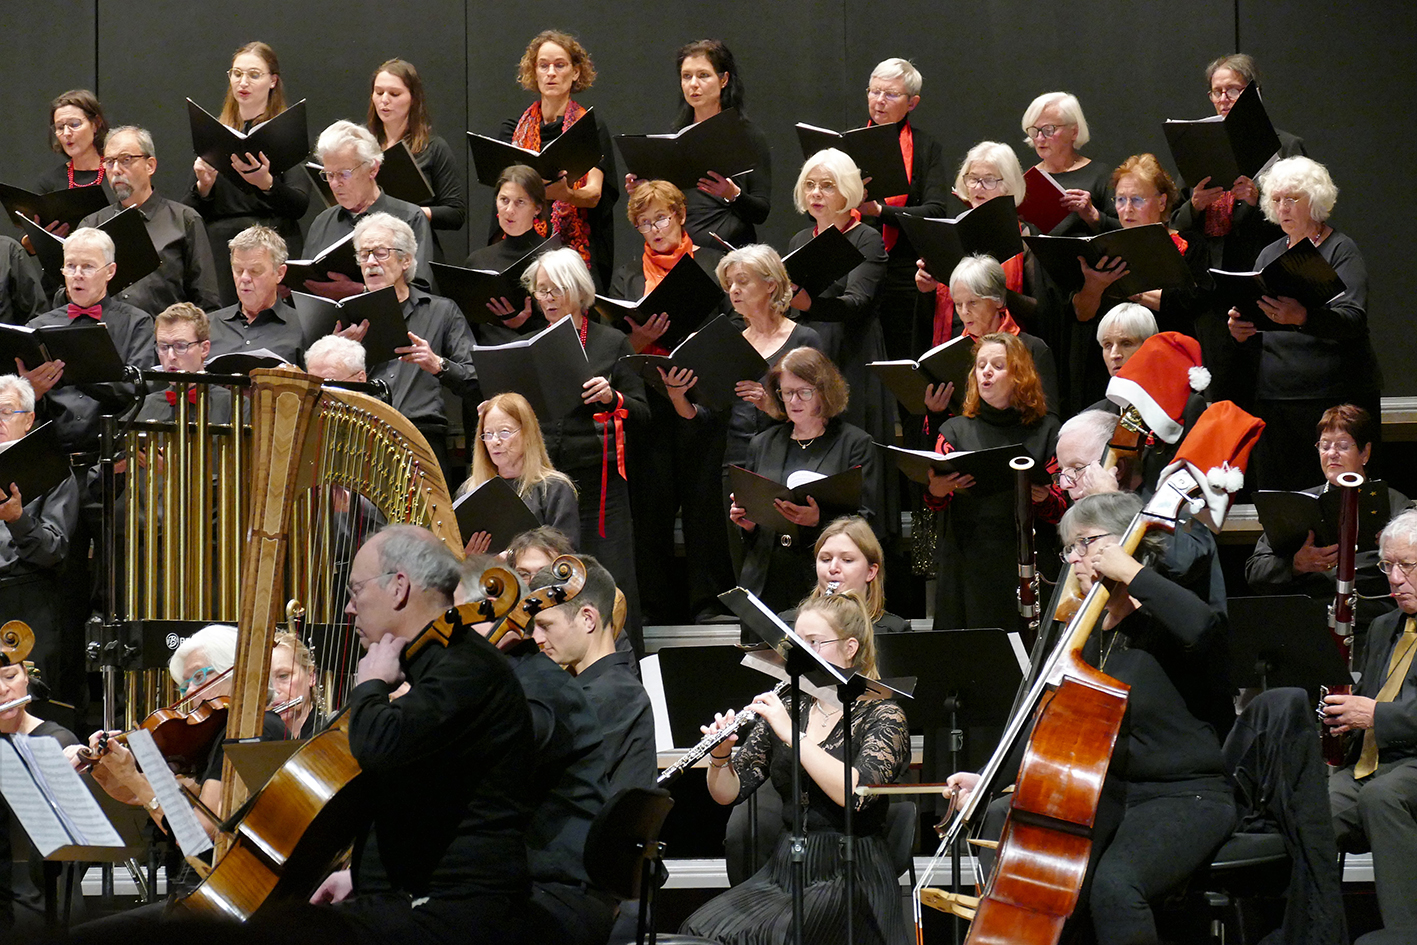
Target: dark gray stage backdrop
[(1339, 79)]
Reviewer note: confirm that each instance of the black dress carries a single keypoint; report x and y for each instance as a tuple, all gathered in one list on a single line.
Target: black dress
[(734, 221), (449, 205), (779, 568), (759, 912), (976, 556), (1095, 178)]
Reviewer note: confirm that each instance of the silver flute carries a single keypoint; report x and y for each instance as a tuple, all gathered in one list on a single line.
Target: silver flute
[(709, 742)]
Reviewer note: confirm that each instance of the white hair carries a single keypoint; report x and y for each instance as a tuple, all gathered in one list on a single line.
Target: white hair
[(93, 238), (1068, 106), (343, 353), (842, 169), (981, 275), (1097, 425), (1005, 161), (902, 69), (343, 134), (21, 388), (1403, 528), (1131, 319), (1299, 175), (417, 553), (403, 240), (217, 641), (567, 272)]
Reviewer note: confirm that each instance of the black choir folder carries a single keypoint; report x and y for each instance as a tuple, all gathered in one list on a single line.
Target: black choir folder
[(84, 345), (284, 140), (549, 369), (1300, 272), (942, 364), (719, 356), (337, 257), (1288, 517), (34, 463), (1042, 200), (875, 149), (132, 248), (575, 151), (720, 144), (493, 507), (399, 176), (990, 228), (1237, 145), (472, 289), (61, 206), (990, 468), (1151, 256), (822, 260), (686, 294), (387, 329), (244, 362), (836, 495)]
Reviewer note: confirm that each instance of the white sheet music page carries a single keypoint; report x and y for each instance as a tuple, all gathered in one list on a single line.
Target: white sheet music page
[(80, 812), (190, 833)]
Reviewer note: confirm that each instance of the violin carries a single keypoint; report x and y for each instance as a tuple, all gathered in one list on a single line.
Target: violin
[(570, 574), (16, 642), (183, 732)]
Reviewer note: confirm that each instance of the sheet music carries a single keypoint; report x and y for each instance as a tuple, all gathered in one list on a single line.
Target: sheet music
[(82, 817), (190, 833), (28, 802), (1020, 652), (654, 685), (771, 664)]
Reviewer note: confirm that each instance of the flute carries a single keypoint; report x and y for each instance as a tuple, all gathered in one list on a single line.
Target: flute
[(15, 703), (709, 742)]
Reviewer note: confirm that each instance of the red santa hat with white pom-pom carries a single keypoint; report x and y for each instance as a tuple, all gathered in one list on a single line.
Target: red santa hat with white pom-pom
[(1159, 379), (1216, 453)]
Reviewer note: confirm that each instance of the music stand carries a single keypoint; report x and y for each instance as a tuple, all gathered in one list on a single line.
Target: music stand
[(800, 659), (1284, 641), (971, 687), (700, 681)]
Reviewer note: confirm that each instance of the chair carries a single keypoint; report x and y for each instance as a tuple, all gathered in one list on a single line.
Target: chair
[(1241, 893), (624, 856), (903, 836)]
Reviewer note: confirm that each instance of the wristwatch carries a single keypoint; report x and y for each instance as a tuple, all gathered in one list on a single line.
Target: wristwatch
[(442, 365), (153, 803)]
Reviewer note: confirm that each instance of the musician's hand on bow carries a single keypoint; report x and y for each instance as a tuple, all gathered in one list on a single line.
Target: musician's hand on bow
[(382, 661), (597, 390), (809, 515), (1347, 713), (961, 785), (770, 707), (739, 515), (937, 396), (943, 484), (1315, 559), (337, 887)]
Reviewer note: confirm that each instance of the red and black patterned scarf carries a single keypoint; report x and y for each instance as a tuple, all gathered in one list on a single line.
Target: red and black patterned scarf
[(572, 223)]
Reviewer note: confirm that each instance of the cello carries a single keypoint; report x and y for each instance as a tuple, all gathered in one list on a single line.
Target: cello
[(296, 828)]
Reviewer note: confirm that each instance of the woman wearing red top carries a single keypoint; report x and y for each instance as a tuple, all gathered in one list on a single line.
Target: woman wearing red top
[(555, 66), (975, 555)]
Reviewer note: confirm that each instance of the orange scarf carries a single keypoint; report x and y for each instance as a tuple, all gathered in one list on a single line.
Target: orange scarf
[(889, 233), (656, 265), (945, 306), (571, 222)]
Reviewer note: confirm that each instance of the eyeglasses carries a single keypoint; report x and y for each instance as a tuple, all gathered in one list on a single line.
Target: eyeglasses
[(73, 124), (804, 394), (885, 94), (123, 160), (195, 680), (1135, 202), (559, 65), (1070, 475), (354, 587), (984, 183), (658, 223), (547, 294), (176, 347), (1225, 95), (821, 186), (82, 269), (1044, 131), (499, 436), (381, 253), (1406, 567), (1287, 201), (341, 176), (1079, 547), (818, 644), (1341, 446), (253, 75), (6, 414)]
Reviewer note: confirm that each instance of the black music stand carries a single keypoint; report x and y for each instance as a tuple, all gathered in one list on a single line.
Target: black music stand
[(1284, 641), (971, 685), (799, 659), (700, 681)]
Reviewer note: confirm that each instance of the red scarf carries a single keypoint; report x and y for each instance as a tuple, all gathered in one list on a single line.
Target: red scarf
[(945, 306), (172, 396), (572, 223), (92, 311), (657, 265), (1220, 215), (1181, 244), (889, 233)]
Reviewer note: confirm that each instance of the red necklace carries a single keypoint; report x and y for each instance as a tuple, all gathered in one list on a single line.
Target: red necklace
[(96, 181), (585, 329)]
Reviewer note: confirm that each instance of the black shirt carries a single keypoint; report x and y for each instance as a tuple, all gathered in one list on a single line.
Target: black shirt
[(276, 329), (449, 206), (414, 392), (568, 780), (450, 764), (734, 221), (186, 272), (626, 721), (336, 222), (21, 295)]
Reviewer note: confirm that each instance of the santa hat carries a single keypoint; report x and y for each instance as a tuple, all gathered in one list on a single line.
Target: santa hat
[(1215, 453), (1158, 380)]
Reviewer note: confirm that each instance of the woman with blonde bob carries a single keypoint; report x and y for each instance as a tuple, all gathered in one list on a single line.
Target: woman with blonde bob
[(1055, 128), (1327, 358), (509, 444), (759, 910)]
